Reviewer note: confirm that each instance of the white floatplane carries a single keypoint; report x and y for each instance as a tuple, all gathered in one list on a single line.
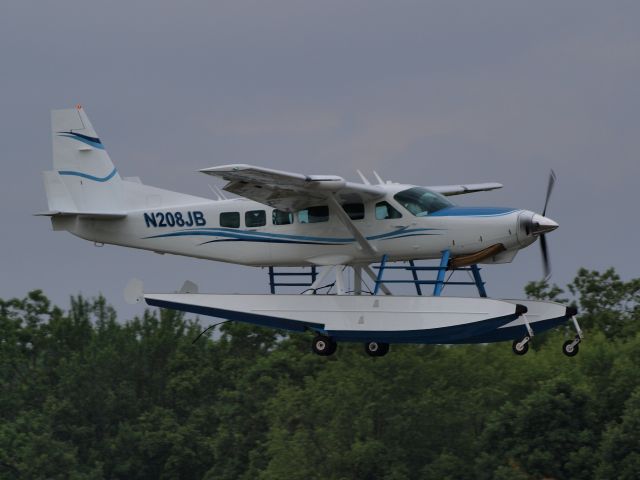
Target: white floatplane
[(285, 219)]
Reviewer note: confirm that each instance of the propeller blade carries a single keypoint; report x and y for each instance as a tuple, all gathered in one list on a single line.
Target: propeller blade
[(552, 181), (546, 266)]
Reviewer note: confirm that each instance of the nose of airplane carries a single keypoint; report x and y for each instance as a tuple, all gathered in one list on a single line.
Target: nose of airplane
[(541, 225)]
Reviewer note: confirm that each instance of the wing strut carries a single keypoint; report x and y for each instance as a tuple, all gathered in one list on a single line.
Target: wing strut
[(344, 218), (374, 277)]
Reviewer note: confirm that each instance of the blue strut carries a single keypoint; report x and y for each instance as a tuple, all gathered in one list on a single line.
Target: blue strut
[(478, 279), (442, 270), (379, 277)]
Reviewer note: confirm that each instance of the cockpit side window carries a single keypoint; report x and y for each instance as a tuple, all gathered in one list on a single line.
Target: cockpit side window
[(421, 202), (385, 211), (354, 210), (281, 217), (314, 214)]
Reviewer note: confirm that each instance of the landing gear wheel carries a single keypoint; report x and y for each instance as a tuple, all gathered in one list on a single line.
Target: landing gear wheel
[(520, 348), (376, 349), (323, 345), (569, 349)]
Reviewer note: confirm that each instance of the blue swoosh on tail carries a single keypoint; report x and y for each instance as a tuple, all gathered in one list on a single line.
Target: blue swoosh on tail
[(87, 176), (91, 141)]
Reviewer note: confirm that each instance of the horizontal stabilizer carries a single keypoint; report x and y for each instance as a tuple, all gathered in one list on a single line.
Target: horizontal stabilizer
[(58, 196), (96, 215), (62, 204)]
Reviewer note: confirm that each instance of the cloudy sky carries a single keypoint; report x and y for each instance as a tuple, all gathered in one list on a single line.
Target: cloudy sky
[(427, 92)]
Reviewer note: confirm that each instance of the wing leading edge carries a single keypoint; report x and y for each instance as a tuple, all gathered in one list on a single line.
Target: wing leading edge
[(449, 190)]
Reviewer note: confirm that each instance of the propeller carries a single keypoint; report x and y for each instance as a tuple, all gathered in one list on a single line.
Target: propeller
[(552, 181), (545, 257), (546, 265)]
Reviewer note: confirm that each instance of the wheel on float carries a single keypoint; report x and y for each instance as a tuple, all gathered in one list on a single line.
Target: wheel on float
[(519, 348), (570, 350), (376, 349), (323, 345)]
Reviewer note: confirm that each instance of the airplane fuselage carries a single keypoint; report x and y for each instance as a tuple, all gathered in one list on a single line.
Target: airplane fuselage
[(249, 233)]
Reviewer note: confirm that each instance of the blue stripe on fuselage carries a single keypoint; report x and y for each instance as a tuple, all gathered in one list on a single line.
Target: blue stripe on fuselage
[(472, 212), (245, 235)]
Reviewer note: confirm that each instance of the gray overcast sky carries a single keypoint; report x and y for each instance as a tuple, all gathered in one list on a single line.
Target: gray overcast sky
[(427, 92)]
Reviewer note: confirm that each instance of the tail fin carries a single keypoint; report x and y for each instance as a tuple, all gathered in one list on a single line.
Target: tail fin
[(84, 179)]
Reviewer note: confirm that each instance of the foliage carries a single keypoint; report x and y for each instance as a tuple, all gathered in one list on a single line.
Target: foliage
[(85, 396)]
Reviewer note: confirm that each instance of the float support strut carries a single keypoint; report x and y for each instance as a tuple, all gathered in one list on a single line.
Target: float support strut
[(318, 279), (357, 280), (442, 270), (478, 279), (272, 281), (415, 277), (379, 276)]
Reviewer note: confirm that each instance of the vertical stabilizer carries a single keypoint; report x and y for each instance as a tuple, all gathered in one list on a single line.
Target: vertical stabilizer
[(82, 163)]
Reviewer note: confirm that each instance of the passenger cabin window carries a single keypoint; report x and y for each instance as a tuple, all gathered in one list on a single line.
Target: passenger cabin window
[(385, 211), (314, 214), (255, 218), (421, 202), (230, 219), (280, 217), (354, 210)]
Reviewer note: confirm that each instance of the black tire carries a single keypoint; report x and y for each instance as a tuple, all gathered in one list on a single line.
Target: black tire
[(376, 349), (574, 350), (523, 349), (323, 346)]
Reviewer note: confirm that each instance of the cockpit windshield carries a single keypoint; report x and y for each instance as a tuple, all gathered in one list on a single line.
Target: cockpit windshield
[(421, 202)]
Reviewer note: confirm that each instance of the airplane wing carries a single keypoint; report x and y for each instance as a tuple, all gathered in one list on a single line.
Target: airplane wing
[(290, 191), (449, 190)]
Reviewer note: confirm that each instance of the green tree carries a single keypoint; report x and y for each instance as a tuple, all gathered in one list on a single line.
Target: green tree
[(620, 449), (87, 396), (541, 290), (607, 303), (552, 433)]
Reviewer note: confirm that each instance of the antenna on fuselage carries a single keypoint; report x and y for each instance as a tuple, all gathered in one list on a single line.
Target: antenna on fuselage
[(218, 193), (364, 179), (214, 192), (380, 181)]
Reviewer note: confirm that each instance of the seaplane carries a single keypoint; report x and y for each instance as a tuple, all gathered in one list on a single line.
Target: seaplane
[(343, 239)]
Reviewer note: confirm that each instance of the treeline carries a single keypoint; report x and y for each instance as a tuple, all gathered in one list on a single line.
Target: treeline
[(85, 396)]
